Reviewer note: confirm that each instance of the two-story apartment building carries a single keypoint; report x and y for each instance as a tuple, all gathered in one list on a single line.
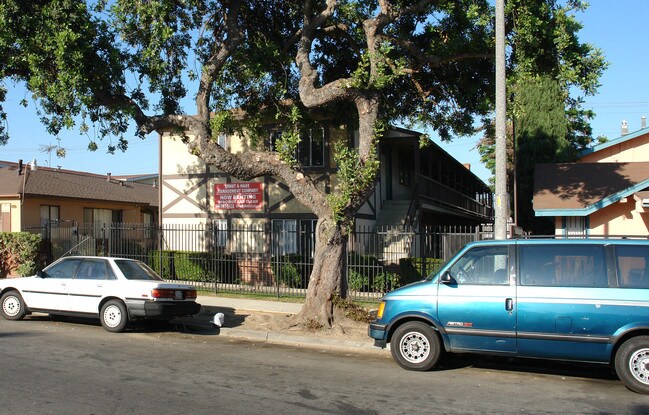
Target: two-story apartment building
[(418, 186)]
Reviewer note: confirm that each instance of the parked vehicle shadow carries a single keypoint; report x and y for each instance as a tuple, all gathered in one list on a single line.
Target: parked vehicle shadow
[(201, 323), (526, 365)]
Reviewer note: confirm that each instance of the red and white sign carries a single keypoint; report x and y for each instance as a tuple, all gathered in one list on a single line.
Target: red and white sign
[(239, 196)]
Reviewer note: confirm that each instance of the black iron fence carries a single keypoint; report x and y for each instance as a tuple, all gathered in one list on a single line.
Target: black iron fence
[(263, 259)]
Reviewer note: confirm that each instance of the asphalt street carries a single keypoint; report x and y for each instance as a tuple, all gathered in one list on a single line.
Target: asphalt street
[(64, 366)]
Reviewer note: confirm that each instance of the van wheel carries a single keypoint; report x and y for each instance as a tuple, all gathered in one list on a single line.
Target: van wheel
[(415, 346), (632, 364), (13, 306)]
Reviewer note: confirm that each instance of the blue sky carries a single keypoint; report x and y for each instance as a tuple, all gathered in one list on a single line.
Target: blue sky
[(619, 28)]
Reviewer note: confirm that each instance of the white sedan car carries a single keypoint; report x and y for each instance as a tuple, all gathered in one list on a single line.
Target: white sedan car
[(116, 290)]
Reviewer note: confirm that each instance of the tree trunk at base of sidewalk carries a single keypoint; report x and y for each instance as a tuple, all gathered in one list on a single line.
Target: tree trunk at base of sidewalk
[(327, 276)]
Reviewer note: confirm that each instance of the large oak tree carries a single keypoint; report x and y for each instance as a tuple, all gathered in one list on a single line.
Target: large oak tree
[(109, 63)]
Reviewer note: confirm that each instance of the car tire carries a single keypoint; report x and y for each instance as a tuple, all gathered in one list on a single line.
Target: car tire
[(415, 346), (13, 306), (113, 316), (632, 364)]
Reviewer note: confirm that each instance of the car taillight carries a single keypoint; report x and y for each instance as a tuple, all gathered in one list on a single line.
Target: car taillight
[(174, 294), (162, 293)]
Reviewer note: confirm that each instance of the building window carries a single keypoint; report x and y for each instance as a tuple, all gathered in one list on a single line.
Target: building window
[(49, 214), (575, 226), (222, 140), (284, 236), (99, 217), (220, 232), (310, 149)]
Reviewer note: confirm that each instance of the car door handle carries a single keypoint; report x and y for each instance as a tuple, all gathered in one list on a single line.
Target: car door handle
[(509, 304), (99, 285)]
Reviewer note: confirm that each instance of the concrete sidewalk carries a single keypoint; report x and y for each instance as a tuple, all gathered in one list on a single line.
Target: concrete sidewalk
[(243, 305), (268, 306)]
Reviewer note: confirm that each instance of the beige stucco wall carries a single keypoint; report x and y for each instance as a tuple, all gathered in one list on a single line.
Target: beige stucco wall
[(635, 150), (179, 166), (72, 210), (628, 218), (12, 206)]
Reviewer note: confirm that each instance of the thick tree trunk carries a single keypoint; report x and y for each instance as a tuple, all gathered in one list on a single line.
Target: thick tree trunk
[(327, 276)]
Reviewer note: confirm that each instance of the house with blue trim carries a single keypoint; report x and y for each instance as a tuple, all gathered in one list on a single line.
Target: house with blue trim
[(604, 193)]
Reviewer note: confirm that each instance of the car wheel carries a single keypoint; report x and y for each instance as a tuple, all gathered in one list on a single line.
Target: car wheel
[(632, 364), (113, 316), (13, 306), (415, 346)]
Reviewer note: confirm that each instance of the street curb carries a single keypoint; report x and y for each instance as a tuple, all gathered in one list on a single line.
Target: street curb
[(293, 339)]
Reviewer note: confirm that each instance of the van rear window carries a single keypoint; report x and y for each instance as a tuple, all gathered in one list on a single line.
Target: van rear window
[(632, 271), (563, 265)]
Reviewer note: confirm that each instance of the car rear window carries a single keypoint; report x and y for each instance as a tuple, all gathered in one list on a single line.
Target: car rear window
[(136, 270)]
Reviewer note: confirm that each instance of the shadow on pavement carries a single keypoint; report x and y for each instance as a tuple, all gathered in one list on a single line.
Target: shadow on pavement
[(201, 323), (523, 365)]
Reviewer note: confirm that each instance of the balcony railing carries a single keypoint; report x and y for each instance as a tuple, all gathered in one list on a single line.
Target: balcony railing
[(432, 191)]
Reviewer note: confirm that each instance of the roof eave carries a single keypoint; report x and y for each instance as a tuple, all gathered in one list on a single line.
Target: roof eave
[(585, 211), (613, 142)]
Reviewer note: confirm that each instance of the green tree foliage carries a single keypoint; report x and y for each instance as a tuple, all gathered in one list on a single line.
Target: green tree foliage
[(541, 129), (548, 70), (365, 63)]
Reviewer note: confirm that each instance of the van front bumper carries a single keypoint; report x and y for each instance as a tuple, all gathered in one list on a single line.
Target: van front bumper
[(379, 333)]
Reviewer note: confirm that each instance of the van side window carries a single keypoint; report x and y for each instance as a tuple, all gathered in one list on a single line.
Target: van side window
[(632, 270), (482, 266), (563, 265)]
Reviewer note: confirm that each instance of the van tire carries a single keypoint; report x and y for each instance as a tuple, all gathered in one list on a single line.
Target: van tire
[(415, 346), (632, 364)]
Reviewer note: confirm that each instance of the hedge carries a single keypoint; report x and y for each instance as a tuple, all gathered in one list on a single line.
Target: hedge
[(194, 266), (19, 251)]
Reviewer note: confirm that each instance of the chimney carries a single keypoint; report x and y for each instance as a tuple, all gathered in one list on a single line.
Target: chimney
[(467, 166), (108, 177), (20, 167), (625, 127), (643, 122), (33, 166)]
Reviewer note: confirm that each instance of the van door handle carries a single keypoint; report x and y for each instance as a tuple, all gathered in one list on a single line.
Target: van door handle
[(509, 304)]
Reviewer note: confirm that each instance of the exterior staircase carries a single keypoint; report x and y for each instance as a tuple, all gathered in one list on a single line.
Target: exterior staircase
[(393, 214)]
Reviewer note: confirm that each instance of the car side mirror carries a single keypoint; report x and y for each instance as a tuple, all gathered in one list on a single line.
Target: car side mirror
[(447, 279), (41, 274)]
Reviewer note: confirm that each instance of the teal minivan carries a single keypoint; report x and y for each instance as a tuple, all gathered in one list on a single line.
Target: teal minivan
[(565, 299)]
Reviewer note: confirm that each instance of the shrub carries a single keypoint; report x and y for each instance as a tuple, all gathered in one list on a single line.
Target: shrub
[(416, 269), (19, 251), (291, 270), (357, 281), (362, 270), (194, 266), (386, 281)]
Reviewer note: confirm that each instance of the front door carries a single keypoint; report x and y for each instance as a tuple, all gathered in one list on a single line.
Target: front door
[(476, 301), (51, 292)]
